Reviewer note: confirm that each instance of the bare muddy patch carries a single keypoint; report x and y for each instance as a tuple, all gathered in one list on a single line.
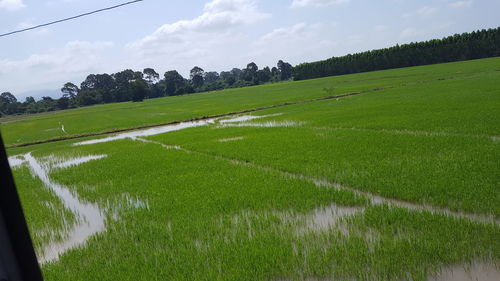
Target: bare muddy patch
[(477, 271)]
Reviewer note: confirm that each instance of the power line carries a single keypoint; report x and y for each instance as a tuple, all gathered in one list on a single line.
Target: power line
[(70, 18)]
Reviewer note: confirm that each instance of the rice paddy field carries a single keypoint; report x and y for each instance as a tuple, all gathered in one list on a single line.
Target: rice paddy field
[(388, 175)]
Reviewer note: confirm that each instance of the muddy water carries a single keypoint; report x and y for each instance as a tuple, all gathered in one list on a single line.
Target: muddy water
[(326, 217), (270, 124), (16, 161), (175, 127), (377, 200), (90, 218), (77, 161), (477, 271), (245, 118), (148, 132)]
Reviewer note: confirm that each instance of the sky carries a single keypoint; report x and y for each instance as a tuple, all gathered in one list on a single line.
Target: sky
[(215, 35)]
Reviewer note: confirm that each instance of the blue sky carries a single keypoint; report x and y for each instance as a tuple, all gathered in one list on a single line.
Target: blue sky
[(213, 34)]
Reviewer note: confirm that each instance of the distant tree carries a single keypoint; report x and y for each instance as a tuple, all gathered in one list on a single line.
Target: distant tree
[(275, 71), (211, 76), (90, 83), (252, 67), (29, 100), (122, 90), (237, 73), (249, 73), (8, 104), (7, 97), (264, 75), (70, 90), (139, 90), (123, 78), (151, 76), (63, 103), (89, 97), (174, 83), (196, 75), (225, 74), (47, 104), (285, 70)]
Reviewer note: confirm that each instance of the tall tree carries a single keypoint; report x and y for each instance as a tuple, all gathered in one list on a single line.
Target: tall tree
[(7, 97), (174, 83), (211, 76), (249, 73), (196, 75), (285, 70), (138, 90), (151, 76), (70, 90)]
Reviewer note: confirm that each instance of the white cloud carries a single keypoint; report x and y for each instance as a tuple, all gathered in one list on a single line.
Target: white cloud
[(461, 4), (316, 3), (426, 11), (291, 33), (76, 58), (409, 32), (11, 4), (423, 13), (203, 40), (218, 15), (296, 44)]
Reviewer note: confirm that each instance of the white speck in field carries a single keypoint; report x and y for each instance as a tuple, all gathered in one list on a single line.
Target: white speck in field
[(62, 129), (495, 138), (230, 139), (16, 161), (477, 271)]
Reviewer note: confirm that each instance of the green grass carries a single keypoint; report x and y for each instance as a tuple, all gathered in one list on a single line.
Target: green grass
[(242, 209), (428, 143), (211, 219), (26, 129)]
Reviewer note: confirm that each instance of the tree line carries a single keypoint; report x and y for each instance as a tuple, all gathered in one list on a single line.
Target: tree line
[(466, 46), (129, 85)]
